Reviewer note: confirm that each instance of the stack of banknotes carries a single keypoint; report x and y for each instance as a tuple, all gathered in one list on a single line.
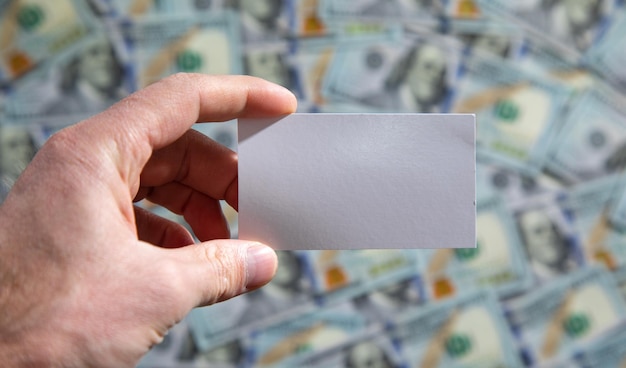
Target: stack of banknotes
[(546, 284)]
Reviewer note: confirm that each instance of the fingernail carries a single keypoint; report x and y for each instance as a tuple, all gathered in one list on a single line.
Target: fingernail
[(262, 263)]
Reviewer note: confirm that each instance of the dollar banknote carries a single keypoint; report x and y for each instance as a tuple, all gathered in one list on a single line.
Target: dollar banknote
[(341, 275), (312, 58), (499, 39), (607, 350), (497, 262), (415, 73), (617, 215), (307, 20), (382, 303), (607, 57), (139, 8), (288, 343), (33, 31), (619, 275), (162, 46), (553, 320), (551, 242), (426, 13), (289, 294), (17, 148), (272, 61), (515, 111), (583, 150), (572, 26), (263, 20), (468, 10), (375, 350), (590, 205), (86, 78), (466, 331), (512, 185)]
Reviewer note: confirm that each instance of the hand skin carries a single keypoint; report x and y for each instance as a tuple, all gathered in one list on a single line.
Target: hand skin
[(89, 280)]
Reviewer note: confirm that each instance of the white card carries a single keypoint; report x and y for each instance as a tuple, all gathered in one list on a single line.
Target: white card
[(358, 181)]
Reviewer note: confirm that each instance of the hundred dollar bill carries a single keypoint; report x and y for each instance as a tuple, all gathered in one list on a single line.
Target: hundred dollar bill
[(288, 343), (512, 185), (312, 58), (165, 45), (311, 64), (372, 350), (492, 38), (307, 20), (231, 354), (344, 274), (84, 79), (541, 59), (606, 351), (262, 20), (608, 56), (497, 263), (380, 304), (619, 274), (556, 319), (551, 243), (33, 31), (515, 112), (590, 205), (414, 74), (139, 8), (272, 62), (592, 141), (572, 26), (617, 215), (288, 294), (414, 11), (467, 331), (17, 148), (468, 10)]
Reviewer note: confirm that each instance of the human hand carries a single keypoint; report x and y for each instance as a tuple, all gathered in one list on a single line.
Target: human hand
[(86, 278)]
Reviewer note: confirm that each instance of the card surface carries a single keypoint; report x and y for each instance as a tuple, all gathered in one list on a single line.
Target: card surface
[(358, 181)]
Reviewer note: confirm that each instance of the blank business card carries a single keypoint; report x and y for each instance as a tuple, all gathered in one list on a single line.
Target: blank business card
[(358, 181)]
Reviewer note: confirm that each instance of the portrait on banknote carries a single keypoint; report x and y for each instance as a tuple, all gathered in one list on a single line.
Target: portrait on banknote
[(90, 81), (261, 20), (367, 354), (270, 63), (417, 82), (382, 303), (572, 23), (548, 248), (17, 148)]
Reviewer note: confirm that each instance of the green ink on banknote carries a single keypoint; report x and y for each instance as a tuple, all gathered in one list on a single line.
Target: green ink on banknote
[(458, 345), (189, 61), (509, 151), (576, 324), (30, 17), (466, 254), (507, 111)]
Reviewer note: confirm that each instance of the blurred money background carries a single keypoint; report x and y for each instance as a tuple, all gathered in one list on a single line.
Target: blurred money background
[(546, 285)]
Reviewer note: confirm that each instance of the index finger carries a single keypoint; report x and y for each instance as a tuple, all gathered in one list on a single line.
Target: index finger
[(156, 116)]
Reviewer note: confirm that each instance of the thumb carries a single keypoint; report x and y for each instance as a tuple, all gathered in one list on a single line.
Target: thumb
[(218, 270)]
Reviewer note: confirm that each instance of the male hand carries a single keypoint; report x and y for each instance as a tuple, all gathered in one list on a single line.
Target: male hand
[(88, 279)]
